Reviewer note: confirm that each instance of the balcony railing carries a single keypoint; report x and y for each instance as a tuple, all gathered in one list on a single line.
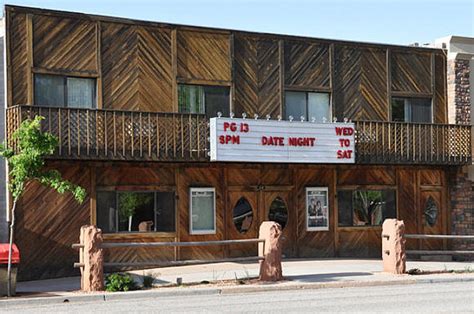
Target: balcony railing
[(412, 143), (119, 135), (91, 134)]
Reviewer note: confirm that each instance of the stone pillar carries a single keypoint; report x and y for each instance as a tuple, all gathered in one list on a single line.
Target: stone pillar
[(393, 246), (270, 266), (459, 96), (92, 256)]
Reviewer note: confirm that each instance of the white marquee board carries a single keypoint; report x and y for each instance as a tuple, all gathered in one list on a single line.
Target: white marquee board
[(249, 140)]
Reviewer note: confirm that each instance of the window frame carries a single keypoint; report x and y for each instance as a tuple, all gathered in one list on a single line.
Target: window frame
[(365, 188), (138, 189), (64, 79), (307, 92), (404, 98), (201, 189)]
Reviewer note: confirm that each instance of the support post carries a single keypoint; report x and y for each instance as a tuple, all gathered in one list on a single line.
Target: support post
[(393, 246), (270, 250), (92, 257)]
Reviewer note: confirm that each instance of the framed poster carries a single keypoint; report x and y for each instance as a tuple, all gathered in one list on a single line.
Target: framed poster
[(317, 209)]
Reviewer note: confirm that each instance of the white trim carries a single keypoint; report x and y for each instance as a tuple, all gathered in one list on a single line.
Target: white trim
[(197, 232), (317, 189)]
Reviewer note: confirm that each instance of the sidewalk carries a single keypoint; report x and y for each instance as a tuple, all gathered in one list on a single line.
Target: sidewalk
[(299, 274)]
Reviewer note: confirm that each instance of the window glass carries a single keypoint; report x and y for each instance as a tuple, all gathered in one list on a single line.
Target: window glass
[(80, 92), (278, 212), (308, 105), (204, 99), (165, 212), (295, 105), (202, 213), (242, 215), (365, 207), (61, 91), (49, 90), (319, 107), (417, 110), (106, 209), (128, 211)]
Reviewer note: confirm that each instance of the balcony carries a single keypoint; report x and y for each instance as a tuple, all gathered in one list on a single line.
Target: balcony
[(90, 134)]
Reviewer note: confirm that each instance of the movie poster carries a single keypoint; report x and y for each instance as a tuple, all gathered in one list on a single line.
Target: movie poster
[(317, 211)]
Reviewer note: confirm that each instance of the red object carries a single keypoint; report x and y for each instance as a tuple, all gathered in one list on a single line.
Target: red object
[(4, 254)]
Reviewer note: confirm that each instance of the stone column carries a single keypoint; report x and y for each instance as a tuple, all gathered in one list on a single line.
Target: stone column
[(92, 256), (270, 266), (393, 246)]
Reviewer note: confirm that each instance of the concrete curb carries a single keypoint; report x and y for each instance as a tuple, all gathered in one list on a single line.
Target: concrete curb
[(195, 291)]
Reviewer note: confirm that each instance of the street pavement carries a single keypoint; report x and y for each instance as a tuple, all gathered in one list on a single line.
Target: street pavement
[(454, 297)]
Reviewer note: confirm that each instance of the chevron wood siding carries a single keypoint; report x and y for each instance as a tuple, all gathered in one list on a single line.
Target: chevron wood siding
[(373, 85), (411, 72), (136, 68), (307, 64), (48, 223), (246, 76), (18, 70), (268, 77), (440, 103), (408, 210), (64, 44), (204, 56)]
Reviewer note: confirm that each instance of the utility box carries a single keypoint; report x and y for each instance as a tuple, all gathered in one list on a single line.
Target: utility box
[(4, 268)]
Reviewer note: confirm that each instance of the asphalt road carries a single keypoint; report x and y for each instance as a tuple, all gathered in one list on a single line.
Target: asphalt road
[(413, 298)]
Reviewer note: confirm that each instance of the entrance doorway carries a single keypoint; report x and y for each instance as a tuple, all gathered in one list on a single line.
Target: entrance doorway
[(248, 207)]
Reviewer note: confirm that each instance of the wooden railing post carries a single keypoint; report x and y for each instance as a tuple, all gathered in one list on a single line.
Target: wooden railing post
[(91, 258), (270, 251), (393, 246)]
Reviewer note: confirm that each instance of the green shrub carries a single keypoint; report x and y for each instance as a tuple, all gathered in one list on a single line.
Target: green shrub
[(119, 282)]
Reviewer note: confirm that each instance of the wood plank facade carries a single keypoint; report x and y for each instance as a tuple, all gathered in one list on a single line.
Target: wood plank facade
[(138, 66)]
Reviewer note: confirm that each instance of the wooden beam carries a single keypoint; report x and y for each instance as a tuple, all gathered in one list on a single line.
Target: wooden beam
[(98, 30), (29, 58), (174, 69), (281, 59)]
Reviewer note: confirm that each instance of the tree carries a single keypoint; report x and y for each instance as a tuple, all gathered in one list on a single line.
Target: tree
[(129, 202), (26, 163)]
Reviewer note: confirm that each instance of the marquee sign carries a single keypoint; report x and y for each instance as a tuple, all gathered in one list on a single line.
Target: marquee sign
[(250, 140)]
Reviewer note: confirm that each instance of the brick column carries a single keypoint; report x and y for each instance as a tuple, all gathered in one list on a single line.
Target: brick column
[(459, 98)]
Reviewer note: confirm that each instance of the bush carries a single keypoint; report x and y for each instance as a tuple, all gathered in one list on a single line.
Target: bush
[(119, 282)]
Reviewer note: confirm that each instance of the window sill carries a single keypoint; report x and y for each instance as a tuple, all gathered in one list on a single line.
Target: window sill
[(138, 235)]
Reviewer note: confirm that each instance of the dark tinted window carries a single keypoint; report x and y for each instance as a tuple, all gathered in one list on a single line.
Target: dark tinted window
[(128, 211), (207, 100), (62, 91), (365, 207), (278, 212), (412, 110), (309, 105), (242, 215)]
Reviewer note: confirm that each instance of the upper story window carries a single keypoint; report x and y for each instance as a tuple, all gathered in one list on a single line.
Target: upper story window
[(309, 105), (207, 100), (130, 211), (64, 91), (412, 110)]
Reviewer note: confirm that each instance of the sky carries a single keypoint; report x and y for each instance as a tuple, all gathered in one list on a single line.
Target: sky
[(380, 21)]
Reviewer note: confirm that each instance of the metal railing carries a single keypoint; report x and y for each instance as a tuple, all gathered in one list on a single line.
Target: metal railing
[(440, 237), (113, 245)]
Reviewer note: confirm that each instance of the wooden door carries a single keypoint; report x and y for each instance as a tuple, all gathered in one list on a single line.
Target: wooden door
[(242, 222), (432, 218), (277, 207)]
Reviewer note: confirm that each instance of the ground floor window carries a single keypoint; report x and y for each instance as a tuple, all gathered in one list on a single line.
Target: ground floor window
[(131, 211), (360, 207), (202, 211)]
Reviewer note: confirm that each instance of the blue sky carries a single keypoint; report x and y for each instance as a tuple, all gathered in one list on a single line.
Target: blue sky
[(397, 22)]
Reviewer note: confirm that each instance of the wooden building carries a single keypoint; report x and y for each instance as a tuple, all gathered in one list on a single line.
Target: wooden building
[(130, 102)]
